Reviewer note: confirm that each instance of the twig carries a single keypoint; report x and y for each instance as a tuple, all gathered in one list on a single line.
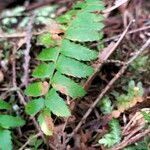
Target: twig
[(115, 6), (128, 33), (102, 59), (27, 52), (109, 85), (130, 141), (14, 76), (114, 61), (14, 67), (43, 3), (23, 34), (29, 140), (33, 119), (20, 96), (38, 128), (139, 52), (22, 100), (132, 133)]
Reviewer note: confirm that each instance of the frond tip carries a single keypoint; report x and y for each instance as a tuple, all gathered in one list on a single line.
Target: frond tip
[(114, 136)]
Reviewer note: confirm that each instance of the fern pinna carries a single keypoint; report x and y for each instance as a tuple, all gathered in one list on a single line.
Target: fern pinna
[(65, 61)]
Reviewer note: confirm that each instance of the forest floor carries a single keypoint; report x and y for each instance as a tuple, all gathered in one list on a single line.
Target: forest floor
[(119, 90)]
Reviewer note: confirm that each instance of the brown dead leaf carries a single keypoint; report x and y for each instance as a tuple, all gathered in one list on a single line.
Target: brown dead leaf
[(45, 87), (133, 102), (61, 88), (54, 28), (49, 122), (116, 114), (20, 43), (140, 99), (56, 37), (125, 106)]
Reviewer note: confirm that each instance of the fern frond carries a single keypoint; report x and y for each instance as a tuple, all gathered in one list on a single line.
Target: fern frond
[(146, 116), (106, 106), (86, 24), (114, 136), (67, 58)]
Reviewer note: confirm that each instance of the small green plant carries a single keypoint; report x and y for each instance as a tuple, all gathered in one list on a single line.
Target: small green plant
[(43, 13), (146, 116), (6, 123), (114, 136), (105, 105), (10, 16), (68, 59), (131, 98), (140, 63), (34, 142), (139, 68)]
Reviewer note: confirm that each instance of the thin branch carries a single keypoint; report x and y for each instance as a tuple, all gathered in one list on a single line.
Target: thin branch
[(43, 3), (115, 6), (21, 34), (109, 85), (114, 61), (128, 33), (29, 140), (22, 100), (33, 119), (27, 52), (14, 68), (107, 53), (139, 52), (18, 91)]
